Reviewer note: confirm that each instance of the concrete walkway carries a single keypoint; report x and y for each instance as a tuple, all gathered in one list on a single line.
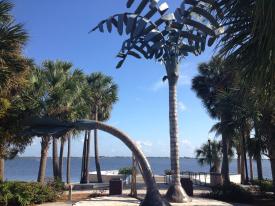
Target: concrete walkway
[(124, 200)]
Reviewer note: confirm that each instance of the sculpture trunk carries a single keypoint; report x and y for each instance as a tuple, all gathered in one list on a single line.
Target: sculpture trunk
[(2, 169), (83, 165), (68, 173), (97, 163), (175, 192), (45, 142)]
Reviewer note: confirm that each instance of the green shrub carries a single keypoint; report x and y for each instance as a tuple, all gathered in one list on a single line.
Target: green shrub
[(23, 193), (167, 172), (265, 185), (125, 171), (231, 193)]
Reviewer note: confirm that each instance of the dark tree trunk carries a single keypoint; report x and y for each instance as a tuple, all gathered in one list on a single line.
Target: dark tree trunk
[(272, 163), (2, 169), (225, 162), (84, 162), (45, 143), (271, 152), (251, 168), (258, 156), (242, 167), (55, 159), (259, 167), (88, 157), (97, 163), (175, 191), (68, 173), (245, 159), (239, 163), (61, 151)]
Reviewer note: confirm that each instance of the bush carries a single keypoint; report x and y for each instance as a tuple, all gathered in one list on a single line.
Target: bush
[(23, 193), (231, 193), (167, 172), (265, 185), (125, 171)]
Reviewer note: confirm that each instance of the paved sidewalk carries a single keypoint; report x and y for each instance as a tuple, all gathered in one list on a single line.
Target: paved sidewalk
[(128, 201)]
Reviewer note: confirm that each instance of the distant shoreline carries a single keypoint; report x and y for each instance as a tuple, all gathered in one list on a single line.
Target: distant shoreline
[(118, 157)]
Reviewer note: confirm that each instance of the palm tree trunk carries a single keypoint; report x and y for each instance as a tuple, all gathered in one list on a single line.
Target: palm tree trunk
[(45, 143), (245, 159), (242, 168), (272, 163), (225, 162), (271, 152), (2, 169), (55, 159), (259, 167), (88, 157), (238, 163), (83, 165), (68, 172), (251, 168), (61, 151), (175, 192), (133, 192), (97, 164), (258, 156)]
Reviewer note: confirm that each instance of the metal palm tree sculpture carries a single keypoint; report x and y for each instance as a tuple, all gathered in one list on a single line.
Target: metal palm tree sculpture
[(167, 37)]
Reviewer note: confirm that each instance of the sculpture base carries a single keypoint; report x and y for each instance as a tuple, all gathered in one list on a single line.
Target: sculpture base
[(154, 199), (177, 194)]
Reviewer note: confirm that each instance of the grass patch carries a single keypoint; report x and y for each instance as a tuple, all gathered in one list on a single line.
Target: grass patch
[(265, 185)]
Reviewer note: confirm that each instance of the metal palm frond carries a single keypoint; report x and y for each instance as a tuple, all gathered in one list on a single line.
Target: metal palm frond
[(184, 31)]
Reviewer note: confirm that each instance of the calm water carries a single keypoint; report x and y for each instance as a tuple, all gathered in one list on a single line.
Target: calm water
[(26, 168)]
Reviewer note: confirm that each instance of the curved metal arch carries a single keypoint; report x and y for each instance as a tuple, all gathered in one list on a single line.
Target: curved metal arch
[(55, 128), (153, 197)]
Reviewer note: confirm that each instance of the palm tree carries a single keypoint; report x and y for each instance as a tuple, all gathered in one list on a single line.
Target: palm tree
[(103, 94), (250, 27), (208, 153), (14, 68), (213, 80), (62, 100), (168, 39)]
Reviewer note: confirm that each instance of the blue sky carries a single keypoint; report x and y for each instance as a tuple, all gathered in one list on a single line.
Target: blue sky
[(59, 30)]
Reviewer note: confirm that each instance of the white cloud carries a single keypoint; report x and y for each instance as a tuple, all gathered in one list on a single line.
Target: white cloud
[(182, 106)]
